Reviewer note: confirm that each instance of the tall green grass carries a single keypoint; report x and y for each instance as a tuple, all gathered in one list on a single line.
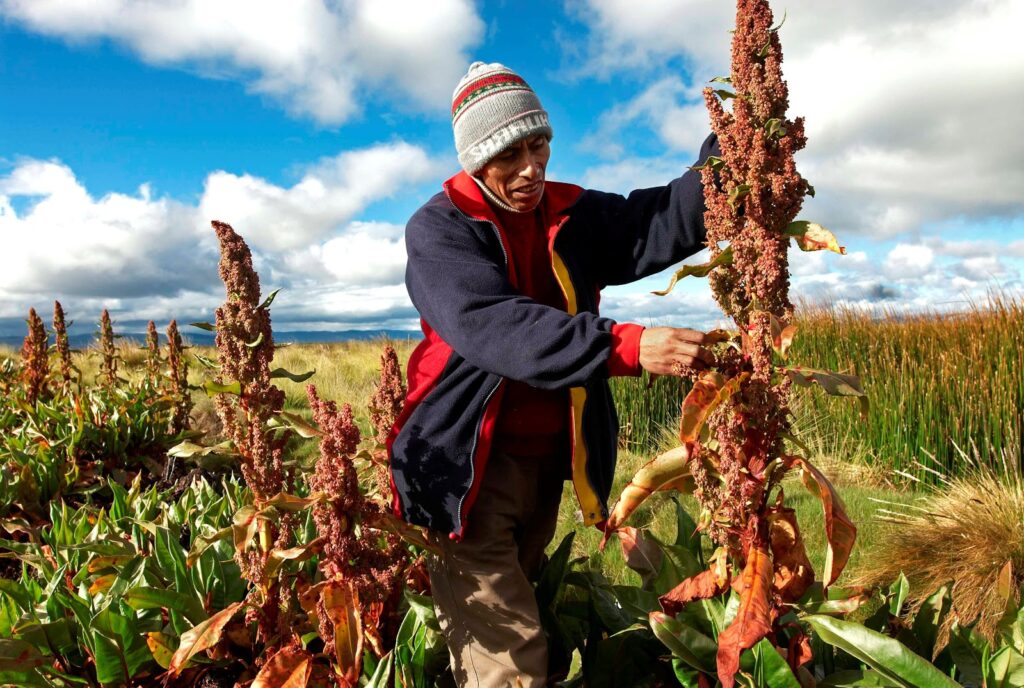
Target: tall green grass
[(935, 381)]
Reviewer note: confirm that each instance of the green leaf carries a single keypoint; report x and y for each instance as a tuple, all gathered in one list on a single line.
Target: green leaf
[(898, 592), (885, 655), (299, 424), (269, 300), (857, 679), (712, 161), (721, 80), (738, 192), (685, 642), (206, 362), (156, 598), (294, 377), (928, 620), (209, 327), (724, 94), (967, 648), (779, 25), (763, 52), (212, 388), (256, 342), (1004, 669), (701, 270), (772, 667), (774, 126), (552, 577)]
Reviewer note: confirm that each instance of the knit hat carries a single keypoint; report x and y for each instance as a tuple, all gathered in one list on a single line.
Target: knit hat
[(493, 108)]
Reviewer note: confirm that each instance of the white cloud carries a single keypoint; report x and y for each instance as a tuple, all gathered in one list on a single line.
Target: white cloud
[(910, 120), (909, 261), (329, 194), (320, 58), (146, 257), (117, 245)]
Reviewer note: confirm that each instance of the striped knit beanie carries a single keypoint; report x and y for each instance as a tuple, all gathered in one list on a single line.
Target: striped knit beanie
[(493, 108)]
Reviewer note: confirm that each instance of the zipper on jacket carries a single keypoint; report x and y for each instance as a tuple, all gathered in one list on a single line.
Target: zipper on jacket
[(457, 533), (459, 527)]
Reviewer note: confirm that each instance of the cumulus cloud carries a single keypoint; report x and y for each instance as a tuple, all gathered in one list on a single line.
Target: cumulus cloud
[(147, 257), (329, 194), (318, 58), (910, 120), (118, 245)]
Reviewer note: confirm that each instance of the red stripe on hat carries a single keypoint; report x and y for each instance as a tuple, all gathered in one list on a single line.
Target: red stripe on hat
[(502, 78)]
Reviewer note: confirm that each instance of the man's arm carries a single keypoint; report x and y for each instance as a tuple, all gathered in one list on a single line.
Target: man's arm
[(649, 230), (465, 295)]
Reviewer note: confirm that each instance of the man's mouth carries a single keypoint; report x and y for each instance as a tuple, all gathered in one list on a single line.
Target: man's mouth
[(529, 190)]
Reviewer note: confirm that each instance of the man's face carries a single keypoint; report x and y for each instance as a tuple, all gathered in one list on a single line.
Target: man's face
[(516, 174)]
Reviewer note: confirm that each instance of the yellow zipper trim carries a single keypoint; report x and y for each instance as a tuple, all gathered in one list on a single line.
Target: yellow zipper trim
[(590, 504)]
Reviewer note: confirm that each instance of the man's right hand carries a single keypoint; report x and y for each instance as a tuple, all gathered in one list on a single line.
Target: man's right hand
[(661, 348)]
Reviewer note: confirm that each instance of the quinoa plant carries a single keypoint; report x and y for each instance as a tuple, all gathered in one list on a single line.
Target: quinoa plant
[(735, 421), (152, 353), (385, 407), (35, 363), (388, 396), (178, 375), (362, 564), (246, 400), (60, 334), (108, 366)]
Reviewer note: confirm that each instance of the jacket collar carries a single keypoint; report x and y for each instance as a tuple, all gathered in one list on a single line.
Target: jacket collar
[(465, 195)]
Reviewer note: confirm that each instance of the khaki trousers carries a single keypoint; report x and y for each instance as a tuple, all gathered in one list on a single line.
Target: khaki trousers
[(482, 587)]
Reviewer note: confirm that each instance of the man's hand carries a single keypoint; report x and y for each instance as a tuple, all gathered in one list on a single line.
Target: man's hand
[(661, 348)]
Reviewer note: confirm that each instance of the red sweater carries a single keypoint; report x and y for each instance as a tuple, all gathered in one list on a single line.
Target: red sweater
[(533, 421)]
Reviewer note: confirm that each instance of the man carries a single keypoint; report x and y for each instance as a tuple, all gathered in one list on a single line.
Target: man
[(508, 392)]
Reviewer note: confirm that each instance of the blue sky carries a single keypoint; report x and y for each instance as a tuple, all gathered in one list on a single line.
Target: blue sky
[(317, 128)]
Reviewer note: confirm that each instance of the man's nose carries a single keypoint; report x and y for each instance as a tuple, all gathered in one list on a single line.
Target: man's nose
[(531, 166)]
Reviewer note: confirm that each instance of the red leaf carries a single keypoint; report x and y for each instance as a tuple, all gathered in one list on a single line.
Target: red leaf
[(704, 585), (799, 651), (201, 637), (840, 532), (642, 554), (289, 668), (753, 618), (793, 571)]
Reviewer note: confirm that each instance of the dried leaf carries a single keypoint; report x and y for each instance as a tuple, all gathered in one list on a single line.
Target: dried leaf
[(709, 391), (782, 335), (201, 637), (342, 606), (810, 236), (836, 384), (160, 645), (283, 501), (670, 467), (701, 270), (793, 571), (753, 618), (840, 532), (289, 668)]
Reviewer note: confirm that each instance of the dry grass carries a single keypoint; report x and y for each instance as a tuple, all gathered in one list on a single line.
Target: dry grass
[(962, 533)]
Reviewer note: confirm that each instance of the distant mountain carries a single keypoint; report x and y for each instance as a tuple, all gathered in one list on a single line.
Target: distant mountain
[(201, 338)]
